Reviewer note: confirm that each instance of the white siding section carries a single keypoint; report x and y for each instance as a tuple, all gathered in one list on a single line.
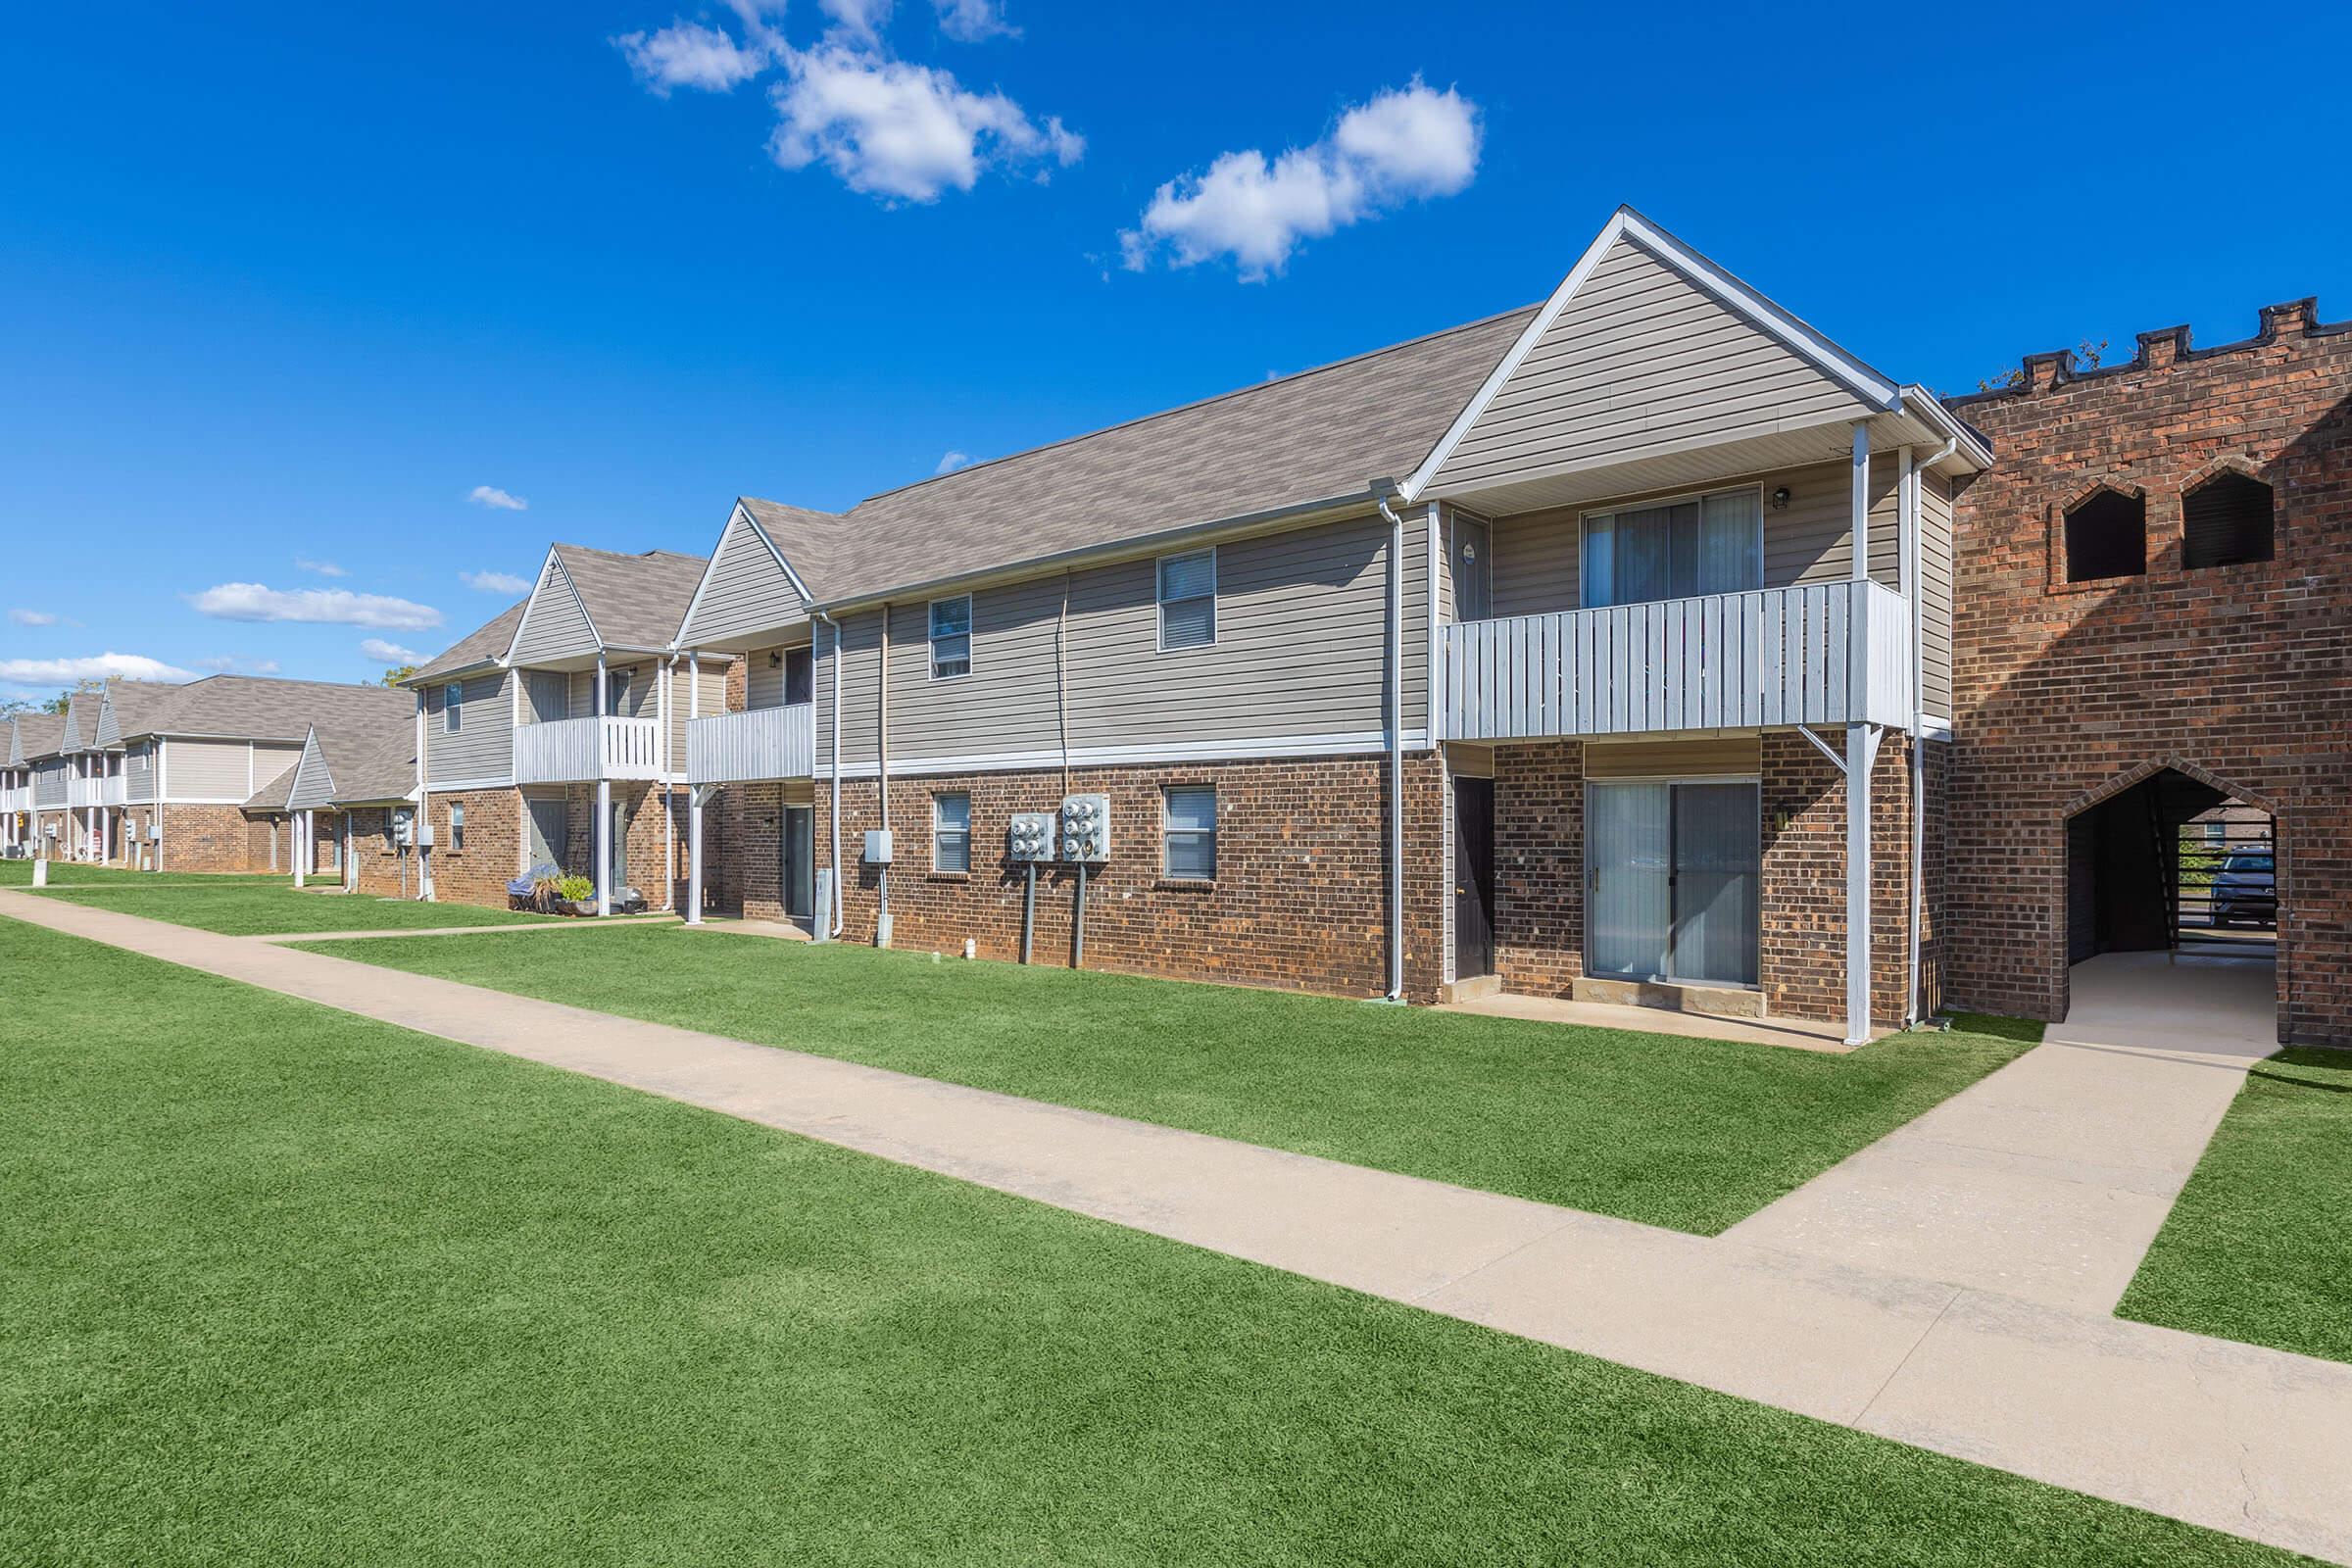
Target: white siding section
[(138, 772), (1641, 360), (206, 770), (1935, 594), (270, 760)]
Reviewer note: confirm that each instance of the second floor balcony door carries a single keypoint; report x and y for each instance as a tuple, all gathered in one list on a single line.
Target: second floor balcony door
[(1676, 549)]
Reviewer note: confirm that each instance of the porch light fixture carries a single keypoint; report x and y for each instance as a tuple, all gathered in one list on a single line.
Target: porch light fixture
[(775, 659), (1780, 499)]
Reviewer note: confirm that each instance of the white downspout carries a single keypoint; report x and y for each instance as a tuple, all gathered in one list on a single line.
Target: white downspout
[(1396, 640), (834, 821)]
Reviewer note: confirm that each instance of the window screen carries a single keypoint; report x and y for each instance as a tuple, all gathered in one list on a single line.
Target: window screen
[(951, 832), (951, 637), (1188, 600)]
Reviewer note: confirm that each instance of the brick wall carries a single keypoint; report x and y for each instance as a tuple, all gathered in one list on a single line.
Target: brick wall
[(2235, 671), (479, 873), (647, 812), (1801, 935), (211, 838), (380, 869), (1540, 866), (1300, 899)]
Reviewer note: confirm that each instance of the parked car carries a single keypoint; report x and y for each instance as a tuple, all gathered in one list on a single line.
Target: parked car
[(2245, 890)]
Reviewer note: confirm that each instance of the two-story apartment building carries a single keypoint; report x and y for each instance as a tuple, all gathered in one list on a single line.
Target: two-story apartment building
[(555, 734), (36, 783), (1536, 652)]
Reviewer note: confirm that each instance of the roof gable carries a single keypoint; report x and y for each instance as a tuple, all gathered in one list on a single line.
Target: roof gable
[(1646, 348), (634, 602), (748, 589), (554, 622), (72, 736), (312, 783)]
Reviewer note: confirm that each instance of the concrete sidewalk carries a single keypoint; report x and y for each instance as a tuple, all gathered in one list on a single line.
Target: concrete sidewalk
[(2254, 1441), (2049, 1179)]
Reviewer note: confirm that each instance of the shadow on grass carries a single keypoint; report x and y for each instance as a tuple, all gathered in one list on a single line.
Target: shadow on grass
[(2028, 1030)]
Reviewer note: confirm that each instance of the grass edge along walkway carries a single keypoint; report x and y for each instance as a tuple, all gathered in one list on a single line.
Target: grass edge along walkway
[(279, 1279), (1686, 1134), (278, 908), (2256, 1248)]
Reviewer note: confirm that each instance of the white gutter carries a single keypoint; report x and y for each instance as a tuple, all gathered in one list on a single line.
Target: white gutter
[(1396, 637), (834, 822)]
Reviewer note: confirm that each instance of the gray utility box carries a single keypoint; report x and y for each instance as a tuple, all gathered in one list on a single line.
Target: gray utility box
[(1030, 838), (1086, 828), (877, 846)]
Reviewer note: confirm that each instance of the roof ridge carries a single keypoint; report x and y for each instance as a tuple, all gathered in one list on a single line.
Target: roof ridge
[(627, 555), (1196, 402)]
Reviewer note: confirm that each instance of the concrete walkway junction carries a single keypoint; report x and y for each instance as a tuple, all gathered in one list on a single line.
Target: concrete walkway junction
[(1949, 1287)]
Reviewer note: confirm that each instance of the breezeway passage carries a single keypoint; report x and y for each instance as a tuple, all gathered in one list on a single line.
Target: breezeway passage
[(2240, 1439)]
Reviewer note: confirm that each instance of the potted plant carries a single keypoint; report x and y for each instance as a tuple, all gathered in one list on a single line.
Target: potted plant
[(568, 894)]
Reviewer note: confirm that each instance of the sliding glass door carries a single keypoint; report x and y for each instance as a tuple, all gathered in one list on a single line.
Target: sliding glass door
[(1678, 550), (1671, 873)]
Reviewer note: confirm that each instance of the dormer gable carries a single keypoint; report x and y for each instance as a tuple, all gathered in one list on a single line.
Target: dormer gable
[(556, 623), (748, 590)]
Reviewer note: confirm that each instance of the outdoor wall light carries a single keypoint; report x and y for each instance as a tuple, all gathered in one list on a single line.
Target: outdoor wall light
[(775, 659), (1780, 499)]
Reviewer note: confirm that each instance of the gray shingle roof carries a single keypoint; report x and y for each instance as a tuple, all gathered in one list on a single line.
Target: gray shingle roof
[(40, 734), (384, 771), (138, 705), (272, 797), (266, 708), (1318, 435), (480, 646), (635, 601)]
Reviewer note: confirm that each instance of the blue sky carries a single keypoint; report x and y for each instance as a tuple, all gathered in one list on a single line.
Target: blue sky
[(287, 287)]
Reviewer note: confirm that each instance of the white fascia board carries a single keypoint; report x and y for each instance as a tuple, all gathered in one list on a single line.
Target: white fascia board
[(1361, 743)]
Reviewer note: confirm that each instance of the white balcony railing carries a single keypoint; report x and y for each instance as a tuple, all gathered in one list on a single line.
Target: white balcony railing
[(1821, 654), (109, 790), (762, 744), (571, 751), (80, 791)]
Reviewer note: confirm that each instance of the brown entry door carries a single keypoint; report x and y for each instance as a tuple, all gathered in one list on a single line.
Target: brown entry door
[(1473, 877)]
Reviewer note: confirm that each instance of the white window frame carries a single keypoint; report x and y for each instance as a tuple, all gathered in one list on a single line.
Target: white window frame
[(1161, 601), (932, 636), (965, 796), (453, 708), (1168, 833), (1584, 586), (456, 828)]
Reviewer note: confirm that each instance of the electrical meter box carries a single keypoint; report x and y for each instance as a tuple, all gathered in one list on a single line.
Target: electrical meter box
[(1030, 838), (877, 846), (400, 829), (1086, 827)]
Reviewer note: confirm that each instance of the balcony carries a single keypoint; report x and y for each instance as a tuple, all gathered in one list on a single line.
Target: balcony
[(81, 792), (109, 790), (1821, 654), (764, 743), (577, 751)]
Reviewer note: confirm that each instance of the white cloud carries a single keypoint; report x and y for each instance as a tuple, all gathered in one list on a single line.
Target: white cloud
[(497, 500), (387, 653), (324, 568), (973, 20), (494, 582), (66, 672), (227, 663), (951, 461), (334, 607), (859, 19), (1404, 145), (687, 54), (38, 617), (902, 131)]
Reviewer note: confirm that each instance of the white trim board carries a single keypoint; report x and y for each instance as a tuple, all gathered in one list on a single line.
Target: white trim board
[(1274, 748)]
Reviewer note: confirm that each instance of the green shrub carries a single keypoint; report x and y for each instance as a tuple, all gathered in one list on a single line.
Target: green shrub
[(575, 889)]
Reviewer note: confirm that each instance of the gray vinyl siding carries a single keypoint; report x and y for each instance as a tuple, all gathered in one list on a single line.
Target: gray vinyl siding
[(683, 710), (1695, 758), (49, 782), (270, 760), (1640, 363), (764, 683), (643, 701), (554, 625), (1537, 554), (1935, 594), (745, 593), (1300, 652), (483, 747), (138, 773), (206, 771), (313, 782)]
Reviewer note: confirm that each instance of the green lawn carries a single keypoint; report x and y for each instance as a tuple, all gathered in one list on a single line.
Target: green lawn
[(1695, 1135), (73, 874), (2257, 1248), (281, 1286), (278, 908)]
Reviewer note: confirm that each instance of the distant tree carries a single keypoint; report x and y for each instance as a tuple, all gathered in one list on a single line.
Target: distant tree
[(14, 705), (2087, 356), (58, 704), (398, 674)]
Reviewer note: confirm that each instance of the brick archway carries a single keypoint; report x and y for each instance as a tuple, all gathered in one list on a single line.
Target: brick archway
[(2150, 769)]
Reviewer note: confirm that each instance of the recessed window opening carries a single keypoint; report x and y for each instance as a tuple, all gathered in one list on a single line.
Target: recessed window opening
[(951, 637), (1677, 549), (2225, 521), (950, 833), (2107, 536)]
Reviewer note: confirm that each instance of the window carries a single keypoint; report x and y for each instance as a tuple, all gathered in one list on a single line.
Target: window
[(1188, 600), (1188, 832), (1676, 549), (457, 828), (453, 702), (2225, 521), (2107, 536), (616, 691), (950, 833), (800, 674), (951, 637)]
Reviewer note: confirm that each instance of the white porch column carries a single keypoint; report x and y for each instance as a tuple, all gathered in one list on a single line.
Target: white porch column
[(693, 799), (1861, 500), (1861, 753), (603, 799), (301, 846)]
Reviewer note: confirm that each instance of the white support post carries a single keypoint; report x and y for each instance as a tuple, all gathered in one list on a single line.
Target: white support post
[(1861, 753), (694, 854), (670, 795), (603, 799), (301, 846), (1861, 527)]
